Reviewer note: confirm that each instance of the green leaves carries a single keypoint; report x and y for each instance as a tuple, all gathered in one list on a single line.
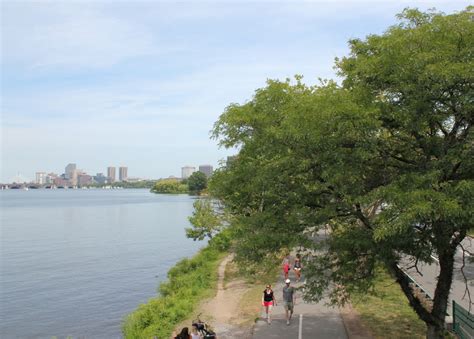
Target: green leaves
[(205, 221), (197, 182), (385, 161)]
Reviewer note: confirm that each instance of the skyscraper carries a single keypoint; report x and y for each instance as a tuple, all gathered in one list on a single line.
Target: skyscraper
[(186, 171), (69, 171), (111, 173), (123, 173), (41, 178), (206, 169)]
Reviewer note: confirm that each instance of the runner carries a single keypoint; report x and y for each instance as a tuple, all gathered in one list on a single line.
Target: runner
[(297, 267), (289, 298), (268, 301), (286, 266)]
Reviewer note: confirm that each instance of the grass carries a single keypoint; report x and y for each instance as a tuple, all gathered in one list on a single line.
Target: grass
[(388, 314), (190, 281)]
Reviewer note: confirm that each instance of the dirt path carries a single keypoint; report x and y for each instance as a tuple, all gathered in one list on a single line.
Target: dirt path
[(223, 310)]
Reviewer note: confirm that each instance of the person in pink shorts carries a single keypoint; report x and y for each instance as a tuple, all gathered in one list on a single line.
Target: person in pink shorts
[(268, 301)]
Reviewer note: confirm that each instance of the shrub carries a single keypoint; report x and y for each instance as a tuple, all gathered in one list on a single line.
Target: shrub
[(189, 281)]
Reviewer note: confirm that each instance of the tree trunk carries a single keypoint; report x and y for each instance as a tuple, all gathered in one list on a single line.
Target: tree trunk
[(441, 295), (434, 332)]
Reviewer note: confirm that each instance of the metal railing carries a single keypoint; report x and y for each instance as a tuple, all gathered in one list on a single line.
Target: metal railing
[(463, 322)]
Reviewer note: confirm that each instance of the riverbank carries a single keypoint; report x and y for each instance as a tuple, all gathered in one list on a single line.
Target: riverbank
[(233, 309), (189, 282)]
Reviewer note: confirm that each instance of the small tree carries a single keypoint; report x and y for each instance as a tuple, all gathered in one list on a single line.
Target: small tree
[(197, 182), (206, 223)]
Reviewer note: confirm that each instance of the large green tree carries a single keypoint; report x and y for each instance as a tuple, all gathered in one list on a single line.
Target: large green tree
[(385, 160), (197, 182)]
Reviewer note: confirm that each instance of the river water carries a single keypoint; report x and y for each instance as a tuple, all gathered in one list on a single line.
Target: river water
[(76, 262)]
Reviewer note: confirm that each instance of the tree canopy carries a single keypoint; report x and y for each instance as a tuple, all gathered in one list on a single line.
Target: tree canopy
[(197, 182), (173, 186), (385, 160)]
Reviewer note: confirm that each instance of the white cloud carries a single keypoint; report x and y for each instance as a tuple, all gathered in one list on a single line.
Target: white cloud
[(58, 35)]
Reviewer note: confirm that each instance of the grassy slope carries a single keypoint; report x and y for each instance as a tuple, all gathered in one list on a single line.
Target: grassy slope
[(388, 313), (190, 281)]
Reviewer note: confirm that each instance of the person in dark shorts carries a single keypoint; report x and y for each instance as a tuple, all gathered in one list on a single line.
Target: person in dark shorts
[(289, 297), (268, 301)]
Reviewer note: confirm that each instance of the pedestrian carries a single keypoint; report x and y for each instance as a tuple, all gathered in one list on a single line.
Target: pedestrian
[(184, 334), (289, 298), (297, 267), (286, 266), (268, 301), (194, 333)]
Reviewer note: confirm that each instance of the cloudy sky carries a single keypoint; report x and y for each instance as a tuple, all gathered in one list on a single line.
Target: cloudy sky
[(140, 84)]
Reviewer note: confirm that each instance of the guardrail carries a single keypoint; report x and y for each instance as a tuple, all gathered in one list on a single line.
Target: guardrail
[(463, 322)]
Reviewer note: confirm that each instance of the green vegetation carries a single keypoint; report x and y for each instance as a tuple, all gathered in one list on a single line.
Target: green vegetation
[(205, 221), (197, 182), (125, 184), (190, 281), (170, 186), (386, 311), (138, 184), (385, 160)]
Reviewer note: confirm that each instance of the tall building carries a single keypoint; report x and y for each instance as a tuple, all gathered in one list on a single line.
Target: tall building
[(40, 178), (186, 171), (206, 169), (69, 171), (84, 179), (123, 173), (111, 173)]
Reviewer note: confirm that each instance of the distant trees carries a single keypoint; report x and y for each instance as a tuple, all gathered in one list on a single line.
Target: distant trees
[(197, 182), (386, 160), (174, 186)]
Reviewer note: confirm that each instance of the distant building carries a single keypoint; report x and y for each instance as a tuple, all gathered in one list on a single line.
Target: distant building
[(123, 173), (60, 181), (186, 171), (69, 171), (206, 169), (40, 178), (73, 178), (111, 174), (84, 179), (50, 178), (100, 179)]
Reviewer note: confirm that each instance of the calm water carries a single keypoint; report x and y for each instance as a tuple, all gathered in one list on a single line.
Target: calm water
[(75, 262)]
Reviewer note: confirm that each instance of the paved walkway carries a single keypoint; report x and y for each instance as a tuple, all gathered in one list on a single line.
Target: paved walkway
[(309, 320)]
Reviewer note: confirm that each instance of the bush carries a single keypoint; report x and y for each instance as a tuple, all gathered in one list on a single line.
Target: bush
[(170, 186), (189, 281)]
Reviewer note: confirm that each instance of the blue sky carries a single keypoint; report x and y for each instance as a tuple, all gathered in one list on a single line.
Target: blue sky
[(140, 84)]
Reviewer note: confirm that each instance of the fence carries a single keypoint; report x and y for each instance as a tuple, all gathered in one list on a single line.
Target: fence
[(463, 322)]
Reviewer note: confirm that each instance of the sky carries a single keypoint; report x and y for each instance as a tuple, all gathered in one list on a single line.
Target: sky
[(140, 84)]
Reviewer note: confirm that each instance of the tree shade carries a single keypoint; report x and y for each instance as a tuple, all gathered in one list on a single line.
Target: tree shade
[(384, 160)]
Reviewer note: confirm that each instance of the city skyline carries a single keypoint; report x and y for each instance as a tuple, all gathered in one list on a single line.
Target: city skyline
[(145, 83)]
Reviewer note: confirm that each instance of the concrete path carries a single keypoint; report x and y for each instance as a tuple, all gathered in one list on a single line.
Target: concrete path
[(430, 273), (309, 320)]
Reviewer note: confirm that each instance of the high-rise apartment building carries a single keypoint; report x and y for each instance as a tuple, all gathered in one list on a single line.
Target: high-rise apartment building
[(206, 169), (186, 171), (40, 178), (111, 173), (123, 173), (69, 171)]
